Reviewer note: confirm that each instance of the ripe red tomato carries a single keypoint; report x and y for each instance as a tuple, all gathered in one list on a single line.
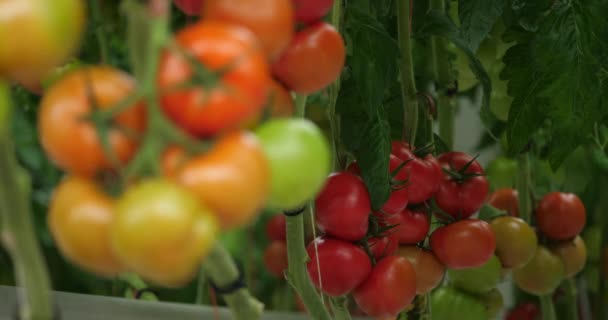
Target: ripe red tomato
[(239, 94), (343, 207), (505, 199), (560, 216), (411, 226), (275, 228), (189, 7), (424, 173), (524, 311), (383, 246), (460, 198), (313, 60), (272, 21), (343, 266), (429, 271), (390, 288), (275, 258), (464, 244), (309, 11)]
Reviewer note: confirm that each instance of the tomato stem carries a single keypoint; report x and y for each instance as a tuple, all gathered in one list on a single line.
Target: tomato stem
[(524, 181), (18, 233), (571, 296), (135, 282), (408, 82), (547, 308), (340, 308), (100, 31), (334, 90)]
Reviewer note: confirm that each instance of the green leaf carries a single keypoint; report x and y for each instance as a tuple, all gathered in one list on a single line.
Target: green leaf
[(489, 213), (477, 17), (527, 14)]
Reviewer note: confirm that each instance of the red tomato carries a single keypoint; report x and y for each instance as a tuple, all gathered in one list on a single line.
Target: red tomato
[(239, 94), (464, 244), (275, 258), (189, 7), (411, 227), (383, 246), (343, 266), (560, 216), (343, 207), (524, 311), (390, 288), (505, 199), (308, 11), (275, 228), (424, 173), (460, 198), (313, 60)]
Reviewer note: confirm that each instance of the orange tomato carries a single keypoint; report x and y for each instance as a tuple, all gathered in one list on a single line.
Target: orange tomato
[(505, 199)]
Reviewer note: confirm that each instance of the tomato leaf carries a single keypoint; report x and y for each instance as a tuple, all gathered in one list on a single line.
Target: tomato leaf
[(477, 17), (488, 213), (527, 14)]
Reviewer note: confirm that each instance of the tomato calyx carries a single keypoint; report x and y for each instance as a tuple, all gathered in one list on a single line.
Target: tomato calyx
[(424, 151), (461, 175), (399, 184)]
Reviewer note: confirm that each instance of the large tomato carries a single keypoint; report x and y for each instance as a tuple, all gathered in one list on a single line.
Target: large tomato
[(79, 219), (73, 143), (335, 266), (429, 271), (542, 275), (276, 228), (390, 288), (424, 173), (477, 280), (516, 241), (410, 227), (505, 199), (189, 7), (450, 304), (162, 232), (38, 35), (342, 208), (275, 258), (464, 244), (232, 179), (300, 160), (461, 196), (313, 60), (308, 11), (560, 216), (573, 254), (237, 95)]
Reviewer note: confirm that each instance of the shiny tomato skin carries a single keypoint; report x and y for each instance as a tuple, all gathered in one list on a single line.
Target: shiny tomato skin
[(240, 93), (275, 258), (390, 288), (383, 246), (429, 271), (79, 219), (275, 228), (73, 144), (411, 226), (313, 60), (189, 7), (573, 254), (424, 173), (343, 265), (505, 199), (464, 244), (461, 199), (560, 216), (516, 241), (542, 275), (309, 11), (232, 179)]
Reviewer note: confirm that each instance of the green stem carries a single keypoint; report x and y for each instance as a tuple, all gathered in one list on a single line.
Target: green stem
[(446, 116), (408, 83), (301, 106), (99, 31), (202, 289), (334, 90), (547, 308), (523, 187), (18, 234), (340, 308), (220, 268), (135, 282), (571, 299)]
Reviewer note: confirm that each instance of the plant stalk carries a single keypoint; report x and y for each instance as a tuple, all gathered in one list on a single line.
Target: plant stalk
[(524, 181), (408, 82), (571, 299), (334, 90), (102, 42), (547, 308), (339, 306)]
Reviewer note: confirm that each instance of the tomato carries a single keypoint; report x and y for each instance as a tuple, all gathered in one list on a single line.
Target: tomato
[(524, 311), (300, 160), (516, 241), (79, 219), (560, 216), (281, 101), (238, 95), (573, 254), (390, 288), (309, 11), (542, 275), (72, 143), (411, 226), (189, 7), (464, 244), (450, 304), (331, 257), (502, 173), (429, 271), (275, 228), (275, 258), (493, 302), (505, 199), (232, 179), (477, 280), (460, 198), (383, 246), (37, 35), (424, 173), (343, 207), (162, 232), (313, 60)]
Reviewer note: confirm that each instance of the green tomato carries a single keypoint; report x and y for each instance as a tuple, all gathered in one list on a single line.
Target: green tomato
[(593, 239), (542, 275), (502, 173), (300, 160), (493, 302), (477, 280), (450, 304)]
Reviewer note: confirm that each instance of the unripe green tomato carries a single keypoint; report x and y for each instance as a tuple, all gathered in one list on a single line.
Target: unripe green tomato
[(516, 241), (451, 304), (502, 173), (477, 280), (542, 275)]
